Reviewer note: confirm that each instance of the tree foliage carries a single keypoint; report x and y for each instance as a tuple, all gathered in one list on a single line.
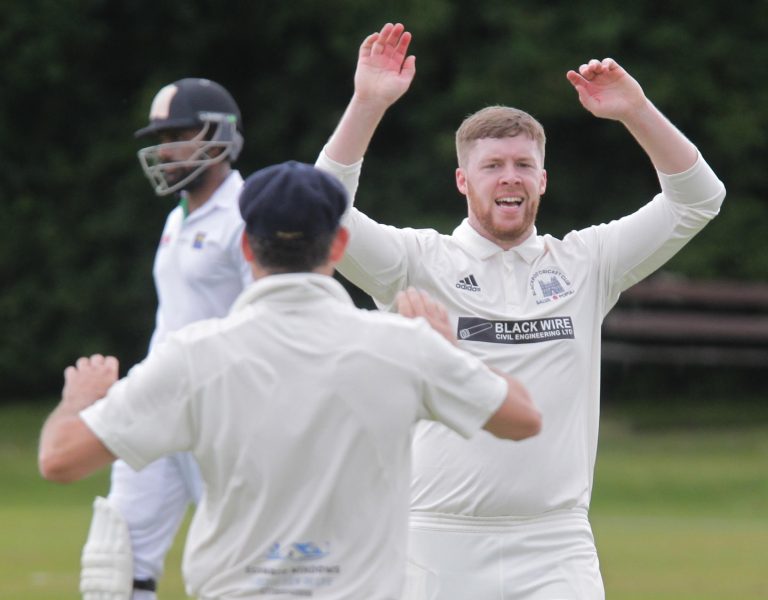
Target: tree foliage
[(80, 224)]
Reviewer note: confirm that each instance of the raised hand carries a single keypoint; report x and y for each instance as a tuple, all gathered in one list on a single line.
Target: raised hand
[(89, 379), (606, 90), (384, 69)]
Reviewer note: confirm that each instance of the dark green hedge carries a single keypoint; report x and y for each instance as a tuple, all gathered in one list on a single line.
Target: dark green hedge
[(80, 223)]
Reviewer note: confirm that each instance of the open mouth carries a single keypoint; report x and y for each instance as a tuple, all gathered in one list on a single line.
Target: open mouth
[(510, 201)]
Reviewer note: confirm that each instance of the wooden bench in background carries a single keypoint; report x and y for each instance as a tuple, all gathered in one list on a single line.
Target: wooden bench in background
[(671, 321)]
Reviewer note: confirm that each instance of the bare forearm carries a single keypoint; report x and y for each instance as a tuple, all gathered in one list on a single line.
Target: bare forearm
[(53, 437), (669, 150), (68, 449), (52, 450), (354, 132)]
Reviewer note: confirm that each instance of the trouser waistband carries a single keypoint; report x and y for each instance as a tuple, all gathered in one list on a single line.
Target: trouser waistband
[(428, 520)]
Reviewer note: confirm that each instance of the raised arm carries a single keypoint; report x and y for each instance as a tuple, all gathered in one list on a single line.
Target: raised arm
[(384, 73), (607, 91), (69, 450)]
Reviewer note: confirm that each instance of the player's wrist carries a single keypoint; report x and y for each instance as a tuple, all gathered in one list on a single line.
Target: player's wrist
[(371, 104)]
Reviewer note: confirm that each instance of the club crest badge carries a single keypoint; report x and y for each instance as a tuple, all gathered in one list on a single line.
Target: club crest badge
[(549, 285), (199, 240)]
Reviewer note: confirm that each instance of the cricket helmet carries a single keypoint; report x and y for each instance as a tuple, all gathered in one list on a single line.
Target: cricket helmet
[(196, 104)]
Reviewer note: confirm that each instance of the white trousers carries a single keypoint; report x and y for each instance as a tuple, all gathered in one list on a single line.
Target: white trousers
[(153, 503), (550, 557)]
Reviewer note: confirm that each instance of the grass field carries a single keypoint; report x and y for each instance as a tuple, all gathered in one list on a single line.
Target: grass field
[(680, 508)]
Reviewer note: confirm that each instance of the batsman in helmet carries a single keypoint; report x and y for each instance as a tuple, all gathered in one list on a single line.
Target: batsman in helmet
[(196, 133)]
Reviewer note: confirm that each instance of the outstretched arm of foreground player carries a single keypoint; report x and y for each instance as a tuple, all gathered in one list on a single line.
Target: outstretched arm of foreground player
[(607, 91), (517, 418), (384, 73), (68, 449)]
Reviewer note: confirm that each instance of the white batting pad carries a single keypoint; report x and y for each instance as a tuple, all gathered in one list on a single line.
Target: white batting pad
[(107, 561)]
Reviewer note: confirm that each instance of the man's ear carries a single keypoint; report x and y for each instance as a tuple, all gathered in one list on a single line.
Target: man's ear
[(339, 245), (247, 252), (461, 181)]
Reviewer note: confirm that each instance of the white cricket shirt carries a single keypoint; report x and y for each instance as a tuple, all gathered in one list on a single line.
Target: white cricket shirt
[(199, 267), (199, 271), (299, 409), (535, 312)]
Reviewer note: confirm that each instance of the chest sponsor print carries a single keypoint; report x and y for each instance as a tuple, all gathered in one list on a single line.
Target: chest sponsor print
[(528, 331), (549, 285)]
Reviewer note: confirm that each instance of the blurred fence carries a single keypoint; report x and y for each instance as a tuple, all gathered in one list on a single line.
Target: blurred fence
[(680, 322)]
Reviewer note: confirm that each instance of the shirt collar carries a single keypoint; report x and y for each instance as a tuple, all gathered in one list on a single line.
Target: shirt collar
[(293, 288), (479, 247), (223, 197)]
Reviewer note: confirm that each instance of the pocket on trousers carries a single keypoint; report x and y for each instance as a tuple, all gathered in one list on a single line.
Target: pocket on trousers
[(420, 583)]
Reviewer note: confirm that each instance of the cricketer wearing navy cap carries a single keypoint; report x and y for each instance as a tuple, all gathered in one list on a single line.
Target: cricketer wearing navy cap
[(292, 211), (287, 406)]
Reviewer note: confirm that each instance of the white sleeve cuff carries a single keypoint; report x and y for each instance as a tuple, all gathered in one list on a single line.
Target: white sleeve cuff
[(694, 185)]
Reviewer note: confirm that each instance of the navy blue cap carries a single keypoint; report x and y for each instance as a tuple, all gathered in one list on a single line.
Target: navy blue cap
[(292, 201)]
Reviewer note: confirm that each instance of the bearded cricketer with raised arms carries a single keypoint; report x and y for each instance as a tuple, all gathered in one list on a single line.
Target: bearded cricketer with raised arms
[(490, 519)]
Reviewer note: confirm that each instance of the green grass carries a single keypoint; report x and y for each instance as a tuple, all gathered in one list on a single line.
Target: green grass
[(43, 526), (681, 512), (680, 507)]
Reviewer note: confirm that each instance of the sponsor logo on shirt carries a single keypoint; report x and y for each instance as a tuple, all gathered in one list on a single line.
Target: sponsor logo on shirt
[(298, 551), (291, 575), (549, 285), (529, 331), (199, 240), (469, 283)]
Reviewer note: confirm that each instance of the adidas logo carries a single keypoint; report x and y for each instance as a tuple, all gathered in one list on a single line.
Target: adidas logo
[(469, 283)]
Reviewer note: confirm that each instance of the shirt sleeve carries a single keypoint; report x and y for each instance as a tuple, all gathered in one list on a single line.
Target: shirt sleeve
[(460, 391), (349, 175), (631, 248), (146, 414), (376, 259)]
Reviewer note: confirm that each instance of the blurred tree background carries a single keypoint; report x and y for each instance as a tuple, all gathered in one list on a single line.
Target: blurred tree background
[(80, 222)]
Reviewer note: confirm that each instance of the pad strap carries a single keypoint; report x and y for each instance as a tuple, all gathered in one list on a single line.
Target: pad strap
[(149, 585)]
